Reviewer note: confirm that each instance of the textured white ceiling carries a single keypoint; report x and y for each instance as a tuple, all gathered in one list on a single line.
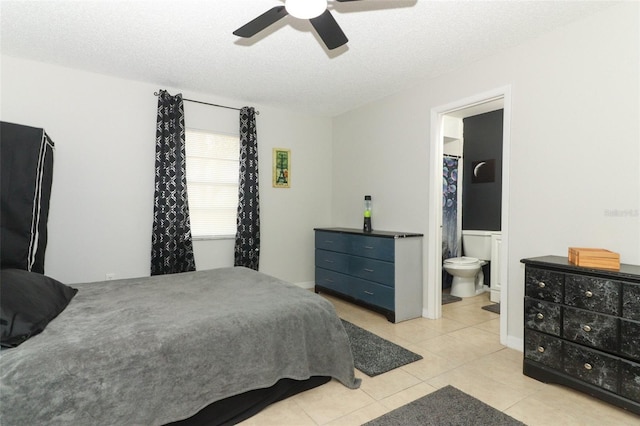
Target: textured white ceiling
[(189, 44)]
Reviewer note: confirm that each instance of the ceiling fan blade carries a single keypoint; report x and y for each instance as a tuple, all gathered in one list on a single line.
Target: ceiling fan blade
[(329, 30), (261, 22)]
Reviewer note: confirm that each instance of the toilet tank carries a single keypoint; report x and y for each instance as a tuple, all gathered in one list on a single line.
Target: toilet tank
[(477, 244)]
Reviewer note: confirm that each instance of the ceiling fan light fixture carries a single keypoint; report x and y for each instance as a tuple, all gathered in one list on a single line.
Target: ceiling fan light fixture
[(305, 9)]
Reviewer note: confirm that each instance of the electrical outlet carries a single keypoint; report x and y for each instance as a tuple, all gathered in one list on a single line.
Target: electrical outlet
[(110, 276)]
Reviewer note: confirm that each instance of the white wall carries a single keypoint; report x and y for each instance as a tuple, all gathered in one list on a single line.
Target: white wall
[(102, 196), (575, 151)]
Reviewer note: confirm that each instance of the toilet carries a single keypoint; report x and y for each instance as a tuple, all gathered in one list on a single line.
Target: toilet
[(468, 278)]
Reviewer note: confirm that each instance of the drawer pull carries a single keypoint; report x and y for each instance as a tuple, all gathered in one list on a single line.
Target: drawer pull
[(539, 316), (541, 284), (541, 349), (587, 366), (369, 247), (369, 293), (588, 293), (586, 328), (329, 280), (328, 261), (328, 241), (368, 270)]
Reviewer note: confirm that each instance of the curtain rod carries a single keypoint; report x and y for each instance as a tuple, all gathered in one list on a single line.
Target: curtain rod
[(207, 103), (451, 156)]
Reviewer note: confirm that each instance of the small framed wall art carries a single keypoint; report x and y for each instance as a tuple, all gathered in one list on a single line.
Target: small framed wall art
[(281, 168)]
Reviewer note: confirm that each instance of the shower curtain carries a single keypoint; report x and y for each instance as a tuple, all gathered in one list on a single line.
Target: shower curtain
[(449, 214)]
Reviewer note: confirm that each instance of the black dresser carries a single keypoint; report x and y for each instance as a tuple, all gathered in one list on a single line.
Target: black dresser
[(582, 328)]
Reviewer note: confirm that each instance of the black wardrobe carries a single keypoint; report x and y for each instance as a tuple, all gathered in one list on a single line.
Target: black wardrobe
[(26, 169)]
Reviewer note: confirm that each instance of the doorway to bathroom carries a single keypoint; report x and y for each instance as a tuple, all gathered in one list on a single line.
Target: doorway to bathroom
[(441, 117)]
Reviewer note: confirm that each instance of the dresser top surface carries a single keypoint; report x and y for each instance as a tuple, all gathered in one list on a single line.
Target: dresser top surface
[(628, 272), (374, 233)]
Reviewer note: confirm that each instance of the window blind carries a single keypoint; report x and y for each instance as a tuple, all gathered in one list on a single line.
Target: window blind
[(212, 182)]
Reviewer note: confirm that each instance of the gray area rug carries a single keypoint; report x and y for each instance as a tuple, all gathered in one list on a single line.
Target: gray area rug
[(494, 307), (445, 407), (447, 298), (374, 355)]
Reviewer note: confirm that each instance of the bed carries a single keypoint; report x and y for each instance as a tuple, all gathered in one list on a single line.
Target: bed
[(156, 350)]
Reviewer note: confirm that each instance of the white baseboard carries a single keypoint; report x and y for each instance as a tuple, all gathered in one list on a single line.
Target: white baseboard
[(425, 314), (515, 343), (309, 285)]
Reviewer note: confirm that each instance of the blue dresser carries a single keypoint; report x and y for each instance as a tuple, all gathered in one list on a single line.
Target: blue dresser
[(379, 270)]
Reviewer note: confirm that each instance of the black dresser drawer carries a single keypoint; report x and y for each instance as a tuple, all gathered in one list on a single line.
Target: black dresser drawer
[(542, 316), (544, 285), (631, 301), (630, 380), (591, 366), (543, 348), (630, 339), (590, 328), (594, 294)]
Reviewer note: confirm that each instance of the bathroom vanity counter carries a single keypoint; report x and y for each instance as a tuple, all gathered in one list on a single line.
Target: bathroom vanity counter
[(380, 270), (582, 328)]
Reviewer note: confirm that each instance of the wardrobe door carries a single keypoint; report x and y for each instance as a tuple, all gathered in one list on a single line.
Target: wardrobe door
[(26, 167)]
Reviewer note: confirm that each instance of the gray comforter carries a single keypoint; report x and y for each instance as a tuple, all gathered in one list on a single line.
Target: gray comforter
[(154, 350)]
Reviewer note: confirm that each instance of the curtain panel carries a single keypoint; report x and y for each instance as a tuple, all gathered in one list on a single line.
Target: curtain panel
[(449, 214), (171, 245), (247, 246)]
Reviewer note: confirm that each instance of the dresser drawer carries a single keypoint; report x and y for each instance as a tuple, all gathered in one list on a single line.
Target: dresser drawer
[(372, 247), (594, 294), (630, 380), (372, 270), (332, 241), (374, 294), (542, 316), (630, 339), (591, 366), (334, 281), (544, 285), (631, 301), (332, 260), (543, 348), (590, 328)]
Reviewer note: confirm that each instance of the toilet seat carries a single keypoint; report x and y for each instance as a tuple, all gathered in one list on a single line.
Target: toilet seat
[(462, 261), (465, 261)]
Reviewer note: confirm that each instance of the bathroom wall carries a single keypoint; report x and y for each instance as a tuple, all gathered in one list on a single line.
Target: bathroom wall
[(482, 177)]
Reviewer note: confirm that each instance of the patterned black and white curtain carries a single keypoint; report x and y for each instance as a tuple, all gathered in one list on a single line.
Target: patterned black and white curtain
[(247, 248), (171, 245)]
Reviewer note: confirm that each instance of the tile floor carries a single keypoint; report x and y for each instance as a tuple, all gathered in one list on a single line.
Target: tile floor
[(461, 349)]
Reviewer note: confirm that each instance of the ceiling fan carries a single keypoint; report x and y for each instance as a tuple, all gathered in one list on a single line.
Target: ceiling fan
[(316, 11)]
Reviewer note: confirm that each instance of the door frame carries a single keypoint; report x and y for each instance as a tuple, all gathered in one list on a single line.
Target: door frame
[(433, 299)]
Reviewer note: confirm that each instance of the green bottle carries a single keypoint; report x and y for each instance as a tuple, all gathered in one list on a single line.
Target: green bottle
[(367, 214)]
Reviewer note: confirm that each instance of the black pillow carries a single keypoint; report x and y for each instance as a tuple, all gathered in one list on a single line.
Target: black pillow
[(28, 302)]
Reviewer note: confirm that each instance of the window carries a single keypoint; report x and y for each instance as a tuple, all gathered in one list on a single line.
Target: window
[(212, 183)]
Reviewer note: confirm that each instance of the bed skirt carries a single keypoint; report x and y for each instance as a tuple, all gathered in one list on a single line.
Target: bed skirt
[(235, 409)]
